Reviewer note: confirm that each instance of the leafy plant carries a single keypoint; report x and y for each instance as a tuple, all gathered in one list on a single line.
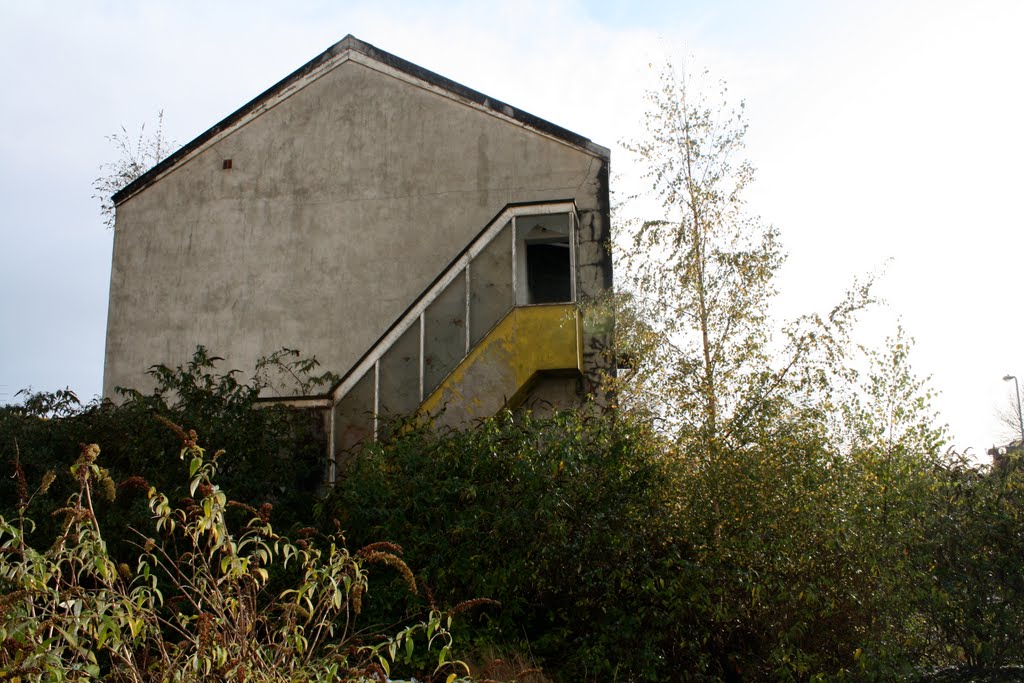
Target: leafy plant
[(274, 455), (73, 612), (136, 155), (560, 520)]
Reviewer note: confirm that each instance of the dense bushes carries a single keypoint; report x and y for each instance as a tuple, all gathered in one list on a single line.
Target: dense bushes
[(832, 542), (196, 603), (272, 455), (559, 520), (616, 556), (974, 595)]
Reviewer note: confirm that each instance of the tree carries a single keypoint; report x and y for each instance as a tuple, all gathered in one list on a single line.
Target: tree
[(699, 280), (135, 157), (1009, 416)]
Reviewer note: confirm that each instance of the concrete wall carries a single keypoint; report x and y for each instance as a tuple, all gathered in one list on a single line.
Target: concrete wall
[(344, 200)]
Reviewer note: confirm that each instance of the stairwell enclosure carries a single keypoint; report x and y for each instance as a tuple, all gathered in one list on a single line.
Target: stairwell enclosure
[(477, 340), (317, 214)]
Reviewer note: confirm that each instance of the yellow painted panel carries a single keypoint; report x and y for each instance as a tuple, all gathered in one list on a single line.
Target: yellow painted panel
[(528, 340)]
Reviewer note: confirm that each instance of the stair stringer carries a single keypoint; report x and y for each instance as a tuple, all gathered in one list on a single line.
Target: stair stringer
[(500, 370)]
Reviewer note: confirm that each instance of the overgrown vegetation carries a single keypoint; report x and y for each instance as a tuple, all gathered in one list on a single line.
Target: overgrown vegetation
[(758, 505), (618, 555), (274, 455), (135, 156), (595, 536), (558, 520), (196, 603)]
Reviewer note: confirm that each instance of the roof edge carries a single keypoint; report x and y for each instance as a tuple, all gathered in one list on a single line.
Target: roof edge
[(351, 43), (564, 134)]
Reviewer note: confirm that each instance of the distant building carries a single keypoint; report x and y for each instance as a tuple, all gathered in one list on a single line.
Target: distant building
[(423, 240)]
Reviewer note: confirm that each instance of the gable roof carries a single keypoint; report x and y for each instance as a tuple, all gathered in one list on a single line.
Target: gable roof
[(336, 54)]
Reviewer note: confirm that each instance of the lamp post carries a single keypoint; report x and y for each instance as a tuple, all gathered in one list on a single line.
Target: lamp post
[(1020, 415)]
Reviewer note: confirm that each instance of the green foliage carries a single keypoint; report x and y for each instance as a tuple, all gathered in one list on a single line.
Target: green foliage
[(273, 455), (692, 312), (797, 569), (974, 533), (555, 519), (832, 541), (836, 541), (73, 613)]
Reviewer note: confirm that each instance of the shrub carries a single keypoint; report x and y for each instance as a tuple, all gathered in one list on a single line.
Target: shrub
[(618, 556), (973, 595), (800, 550), (560, 520), (273, 455), (72, 612)]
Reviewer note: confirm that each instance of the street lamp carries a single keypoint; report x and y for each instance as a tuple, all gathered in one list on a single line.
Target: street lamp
[(1020, 415)]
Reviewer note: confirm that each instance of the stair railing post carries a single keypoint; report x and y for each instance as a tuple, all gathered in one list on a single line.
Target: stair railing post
[(515, 266), (376, 396), (467, 307), (423, 336)]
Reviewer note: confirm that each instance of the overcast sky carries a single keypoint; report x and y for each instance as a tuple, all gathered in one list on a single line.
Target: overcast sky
[(880, 129)]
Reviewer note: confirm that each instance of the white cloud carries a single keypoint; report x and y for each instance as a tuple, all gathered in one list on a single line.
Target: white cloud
[(879, 128)]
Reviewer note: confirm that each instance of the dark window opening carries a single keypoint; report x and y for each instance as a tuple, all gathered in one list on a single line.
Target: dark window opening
[(548, 273)]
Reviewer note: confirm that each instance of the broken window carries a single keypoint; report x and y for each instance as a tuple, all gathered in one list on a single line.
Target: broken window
[(544, 259)]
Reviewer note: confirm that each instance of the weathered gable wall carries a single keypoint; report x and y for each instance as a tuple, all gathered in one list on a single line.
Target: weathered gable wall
[(342, 203)]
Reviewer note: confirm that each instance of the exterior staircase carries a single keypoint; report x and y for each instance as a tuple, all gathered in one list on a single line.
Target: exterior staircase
[(473, 343)]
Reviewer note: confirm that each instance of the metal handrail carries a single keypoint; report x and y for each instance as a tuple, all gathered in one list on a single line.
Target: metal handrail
[(416, 309), (414, 314)]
